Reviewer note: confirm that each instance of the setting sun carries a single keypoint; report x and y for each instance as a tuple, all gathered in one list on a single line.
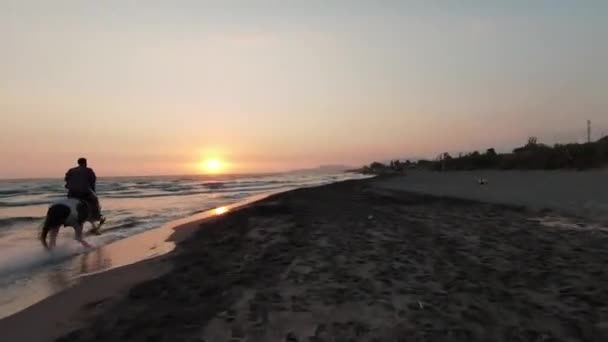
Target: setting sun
[(211, 166)]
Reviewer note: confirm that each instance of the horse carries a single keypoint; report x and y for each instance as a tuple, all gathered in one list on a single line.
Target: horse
[(68, 212)]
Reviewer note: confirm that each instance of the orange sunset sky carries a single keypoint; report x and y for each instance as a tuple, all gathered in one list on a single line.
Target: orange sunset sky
[(159, 87)]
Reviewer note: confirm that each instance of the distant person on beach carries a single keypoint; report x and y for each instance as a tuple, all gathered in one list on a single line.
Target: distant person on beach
[(80, 182)]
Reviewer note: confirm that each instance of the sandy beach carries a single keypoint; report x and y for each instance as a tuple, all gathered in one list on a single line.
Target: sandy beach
[(574, 193), (352, 261)]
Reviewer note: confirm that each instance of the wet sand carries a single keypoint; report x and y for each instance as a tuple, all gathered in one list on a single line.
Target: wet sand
[(353, 261)]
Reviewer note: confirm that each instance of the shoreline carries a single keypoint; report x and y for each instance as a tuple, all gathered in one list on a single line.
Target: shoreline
[(132, 260), (147, 255), (134, 206), (346, 259), (131, 270)]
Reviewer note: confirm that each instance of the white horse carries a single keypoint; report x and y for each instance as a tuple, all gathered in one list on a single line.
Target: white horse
[(69, 212)]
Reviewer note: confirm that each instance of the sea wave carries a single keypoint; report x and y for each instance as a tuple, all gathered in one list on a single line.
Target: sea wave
[(10, 193), (23, 203), (192, 192), (11, 221)]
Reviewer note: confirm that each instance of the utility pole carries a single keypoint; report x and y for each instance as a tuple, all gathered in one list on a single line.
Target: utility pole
[(588, 131)]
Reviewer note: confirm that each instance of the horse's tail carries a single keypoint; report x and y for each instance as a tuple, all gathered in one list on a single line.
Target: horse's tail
[(55, 217)]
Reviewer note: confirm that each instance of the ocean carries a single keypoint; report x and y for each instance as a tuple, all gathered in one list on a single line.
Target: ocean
[(132, 205)]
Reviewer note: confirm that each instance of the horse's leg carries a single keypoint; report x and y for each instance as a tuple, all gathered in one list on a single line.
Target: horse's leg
[(53, 239), (43, 235), (55, 218), (78, 236), (95, 229)]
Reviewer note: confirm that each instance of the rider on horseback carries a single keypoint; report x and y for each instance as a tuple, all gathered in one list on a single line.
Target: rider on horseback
[(80, 182)]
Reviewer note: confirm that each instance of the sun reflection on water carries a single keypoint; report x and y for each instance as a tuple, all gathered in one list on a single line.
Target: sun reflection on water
[(220, 210)]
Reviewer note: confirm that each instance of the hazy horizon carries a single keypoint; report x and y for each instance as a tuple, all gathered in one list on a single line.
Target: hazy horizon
[(194, 174), (155, 87)]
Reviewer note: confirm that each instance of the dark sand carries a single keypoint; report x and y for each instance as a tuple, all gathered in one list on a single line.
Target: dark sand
[(354, 262)]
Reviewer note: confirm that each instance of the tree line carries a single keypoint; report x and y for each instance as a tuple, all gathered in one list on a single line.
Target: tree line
[(532, 156)]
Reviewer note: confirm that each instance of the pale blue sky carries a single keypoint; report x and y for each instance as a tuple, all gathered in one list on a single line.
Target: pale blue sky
[(145, 87)]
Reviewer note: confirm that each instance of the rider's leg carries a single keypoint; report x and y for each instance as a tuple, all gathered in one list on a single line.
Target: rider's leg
[(95, 207)]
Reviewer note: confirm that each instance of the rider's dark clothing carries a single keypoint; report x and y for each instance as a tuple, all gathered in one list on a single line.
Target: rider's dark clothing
[(80, 182), (80, 179)]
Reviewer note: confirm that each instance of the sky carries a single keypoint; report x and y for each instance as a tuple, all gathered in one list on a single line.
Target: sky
[(156, 87)]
